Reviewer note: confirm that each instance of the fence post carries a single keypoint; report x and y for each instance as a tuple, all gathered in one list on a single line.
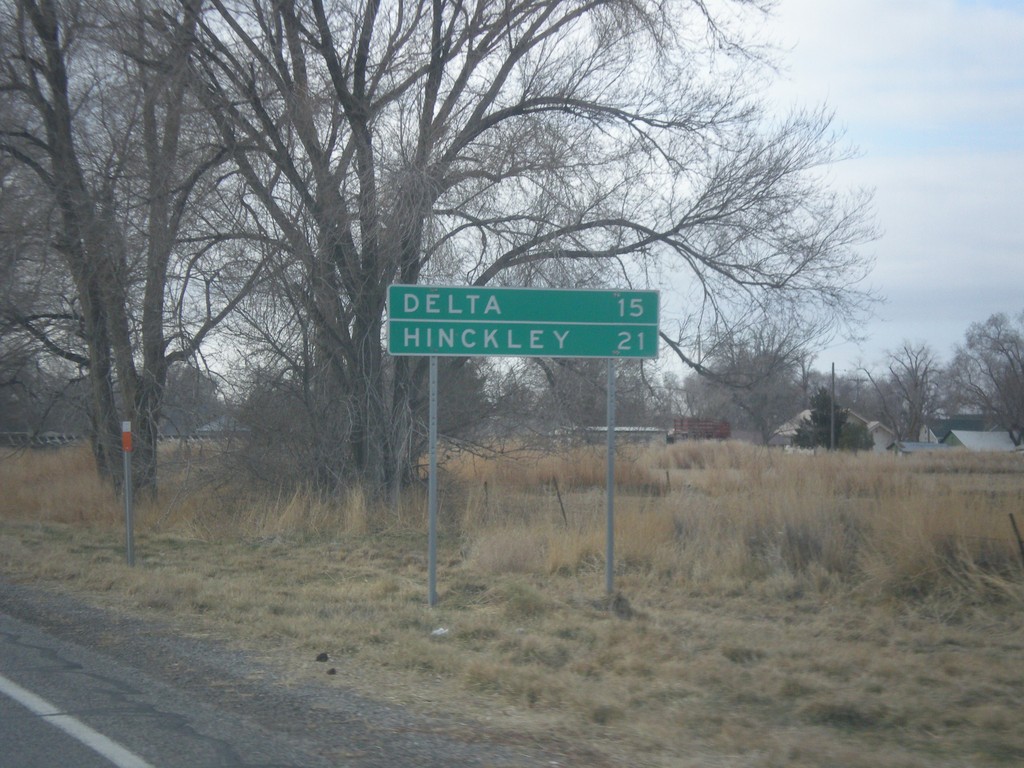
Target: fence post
[(1020, 542)]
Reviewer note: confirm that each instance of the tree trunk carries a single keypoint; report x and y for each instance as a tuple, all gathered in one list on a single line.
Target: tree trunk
[(105, 438), (370, 431)]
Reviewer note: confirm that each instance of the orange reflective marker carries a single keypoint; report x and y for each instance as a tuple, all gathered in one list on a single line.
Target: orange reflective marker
[(126, 436)]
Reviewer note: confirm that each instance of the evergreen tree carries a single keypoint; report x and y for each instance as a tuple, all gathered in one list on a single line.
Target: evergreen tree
[(817, 429), (855, 437)]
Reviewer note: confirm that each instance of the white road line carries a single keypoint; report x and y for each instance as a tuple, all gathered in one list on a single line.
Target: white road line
[(94, 740)]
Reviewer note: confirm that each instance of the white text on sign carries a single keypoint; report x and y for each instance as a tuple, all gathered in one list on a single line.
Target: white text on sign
[(441, 338), (433, 305)]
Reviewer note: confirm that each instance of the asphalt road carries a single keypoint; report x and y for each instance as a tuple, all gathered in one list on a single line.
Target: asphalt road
[(81, 686), (62, 705)]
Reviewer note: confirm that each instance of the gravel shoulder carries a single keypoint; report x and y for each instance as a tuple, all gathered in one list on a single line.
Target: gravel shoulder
[(326, 719)]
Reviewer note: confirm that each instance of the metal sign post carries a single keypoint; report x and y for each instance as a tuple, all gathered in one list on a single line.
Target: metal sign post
[(126, 451), (432, 489), (609, 557)]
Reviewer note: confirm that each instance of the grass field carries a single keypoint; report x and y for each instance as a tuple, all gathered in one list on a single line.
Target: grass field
[(771, 609)]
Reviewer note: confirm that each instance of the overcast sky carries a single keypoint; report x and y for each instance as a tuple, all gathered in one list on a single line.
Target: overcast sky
[(932, 94)]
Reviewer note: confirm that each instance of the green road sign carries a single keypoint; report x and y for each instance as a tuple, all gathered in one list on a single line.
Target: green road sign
[(461, 321)]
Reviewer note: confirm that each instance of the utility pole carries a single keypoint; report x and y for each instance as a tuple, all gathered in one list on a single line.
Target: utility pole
[(832, 412)]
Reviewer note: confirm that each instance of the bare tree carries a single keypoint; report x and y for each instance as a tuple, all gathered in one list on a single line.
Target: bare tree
[(38, 131), (561, 142), (907, 393), (97, 109), (988, 372), (751, 375), (41, 348)]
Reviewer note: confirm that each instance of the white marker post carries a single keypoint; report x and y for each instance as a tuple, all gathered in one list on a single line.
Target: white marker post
[(126, 450)]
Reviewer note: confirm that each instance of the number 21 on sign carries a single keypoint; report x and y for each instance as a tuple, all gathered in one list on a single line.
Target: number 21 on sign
[(626, 340)]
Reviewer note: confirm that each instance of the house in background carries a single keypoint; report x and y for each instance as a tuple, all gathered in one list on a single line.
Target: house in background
[(997, 440), (937, 430), (881, 436), (785, 434), (971, 431), (907, 447)]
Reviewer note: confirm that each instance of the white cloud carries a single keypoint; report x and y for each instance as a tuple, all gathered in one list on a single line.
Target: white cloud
[(914, 66), (932, 91)]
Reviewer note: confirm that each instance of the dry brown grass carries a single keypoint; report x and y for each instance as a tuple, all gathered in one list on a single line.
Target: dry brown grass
[(775, 610), (54, 486)]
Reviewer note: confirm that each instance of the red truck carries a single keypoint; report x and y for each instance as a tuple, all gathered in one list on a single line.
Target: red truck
[(699, 429)]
